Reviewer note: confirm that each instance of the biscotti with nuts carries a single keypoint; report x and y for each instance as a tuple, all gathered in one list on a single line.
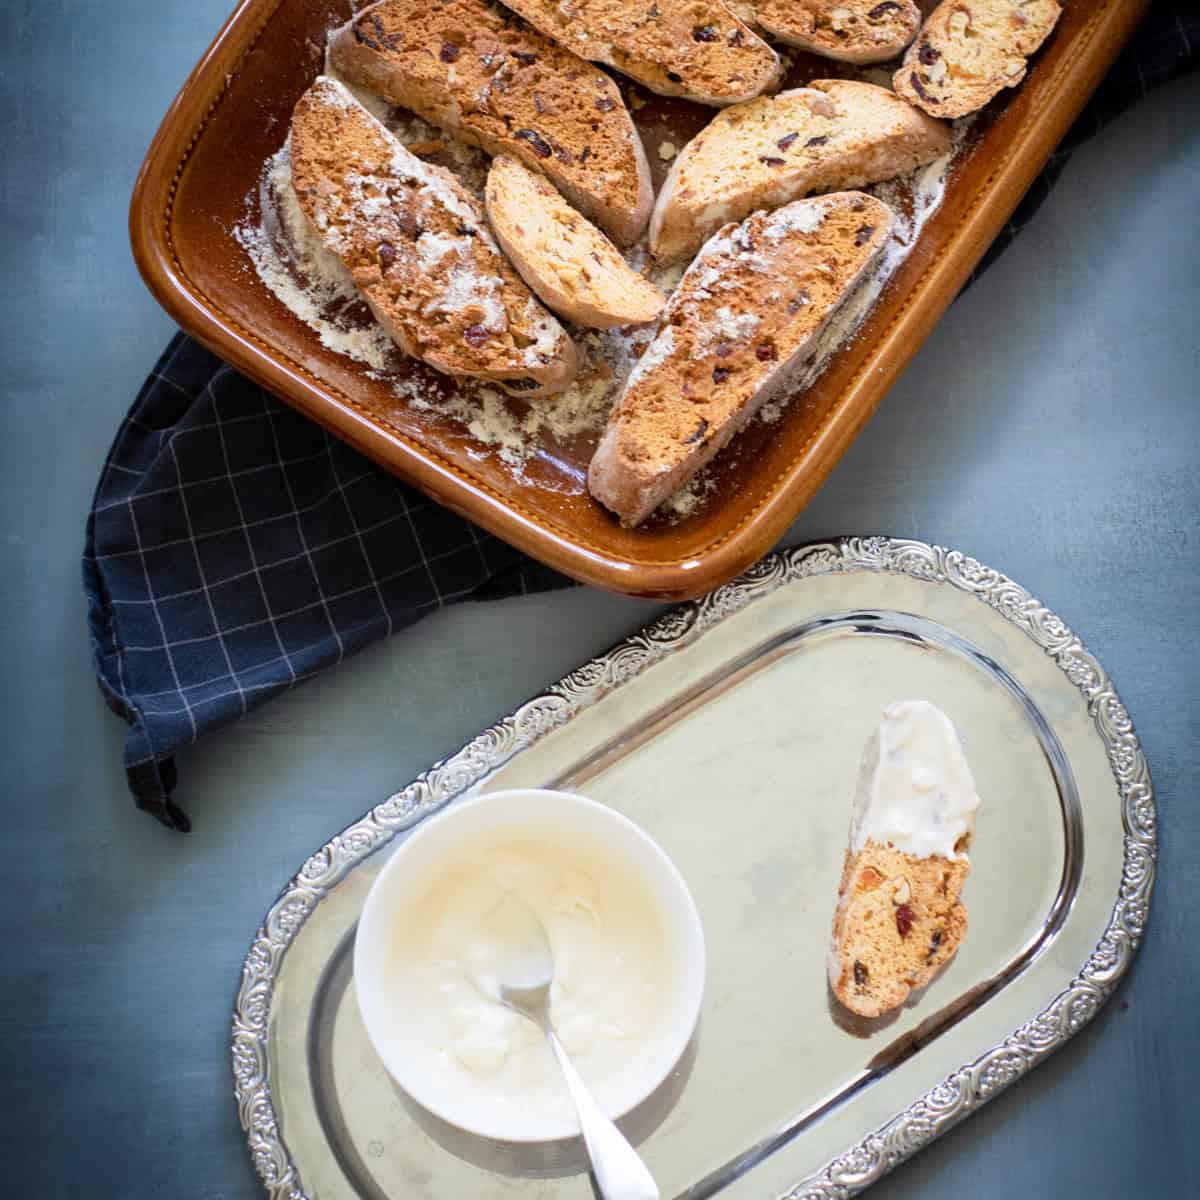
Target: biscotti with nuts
[(571, 266), (693, 48), (899, 921), (899, 917), (853, 31), (419, 250), (745, 314), (834, 133), (479, 72), (970, 50)]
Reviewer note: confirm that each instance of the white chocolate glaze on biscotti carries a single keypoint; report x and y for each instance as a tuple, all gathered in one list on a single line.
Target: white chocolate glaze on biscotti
[(915, 789)]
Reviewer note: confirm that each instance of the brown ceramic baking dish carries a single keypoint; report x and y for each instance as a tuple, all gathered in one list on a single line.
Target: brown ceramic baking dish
[(233, 113)]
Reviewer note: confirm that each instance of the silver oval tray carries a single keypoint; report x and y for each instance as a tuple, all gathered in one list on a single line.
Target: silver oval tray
[(731, 729)]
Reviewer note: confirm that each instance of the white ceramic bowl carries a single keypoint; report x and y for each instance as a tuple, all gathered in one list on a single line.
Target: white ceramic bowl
[(397, 1035)]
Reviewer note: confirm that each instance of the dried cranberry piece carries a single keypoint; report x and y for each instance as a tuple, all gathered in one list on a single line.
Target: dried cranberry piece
[(735, 37), (409, 225), (766, 352), (927, 54), (720, 374), (701, 430), (605, 103), (724, 350), (864, 234), (882, 10), (524, 56), (799, 299), (860, 974), (817, 141), (449, 52), (770, 160), (704, 33), (540, 146), (387, 254), (785, 142), (475, 335), (915, 80), (904, 920)]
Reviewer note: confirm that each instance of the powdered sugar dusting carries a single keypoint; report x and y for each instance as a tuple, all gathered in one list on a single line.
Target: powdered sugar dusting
[(288, 255), (801, 216), (290, 258)]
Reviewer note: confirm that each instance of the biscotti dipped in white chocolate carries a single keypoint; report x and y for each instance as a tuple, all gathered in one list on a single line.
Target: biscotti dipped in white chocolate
[(899, 918)]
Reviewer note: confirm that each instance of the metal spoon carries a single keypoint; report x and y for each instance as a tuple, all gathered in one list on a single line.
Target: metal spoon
[(524, 967)]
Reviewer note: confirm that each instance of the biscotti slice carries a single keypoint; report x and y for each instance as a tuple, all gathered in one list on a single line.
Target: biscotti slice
[(899, 918), (747, 311), (692, 48), (854, 31), (835, 133), (419, 250), (574, 269), (474, 69), (970, 50)]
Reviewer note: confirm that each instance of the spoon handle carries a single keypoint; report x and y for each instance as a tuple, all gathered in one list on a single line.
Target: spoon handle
[(619, 1171)]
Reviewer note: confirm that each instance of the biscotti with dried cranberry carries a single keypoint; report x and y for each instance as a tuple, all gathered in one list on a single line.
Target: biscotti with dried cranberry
[(571, 266), (478, 71), (853, 31), (697, 49), (419, 250), (745, 314), (834, 133), (899, 920), (971, 50), (899, 917)]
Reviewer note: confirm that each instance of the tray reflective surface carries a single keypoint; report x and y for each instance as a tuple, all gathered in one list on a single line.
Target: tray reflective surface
[(731, 730)]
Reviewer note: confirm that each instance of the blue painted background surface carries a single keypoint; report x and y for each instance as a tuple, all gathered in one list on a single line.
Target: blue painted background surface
[(1049, 427)]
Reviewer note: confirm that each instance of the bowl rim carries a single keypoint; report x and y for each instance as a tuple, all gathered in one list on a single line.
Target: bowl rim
[(692, 976)]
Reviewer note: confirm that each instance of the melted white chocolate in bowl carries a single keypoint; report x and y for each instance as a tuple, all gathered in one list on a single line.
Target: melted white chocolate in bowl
[(612, 1000)]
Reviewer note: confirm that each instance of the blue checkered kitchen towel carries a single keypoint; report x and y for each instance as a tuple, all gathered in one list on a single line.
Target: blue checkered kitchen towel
[(234, 548)]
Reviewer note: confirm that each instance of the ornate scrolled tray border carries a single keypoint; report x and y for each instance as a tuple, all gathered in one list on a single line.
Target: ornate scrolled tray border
[(933, 1113)]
